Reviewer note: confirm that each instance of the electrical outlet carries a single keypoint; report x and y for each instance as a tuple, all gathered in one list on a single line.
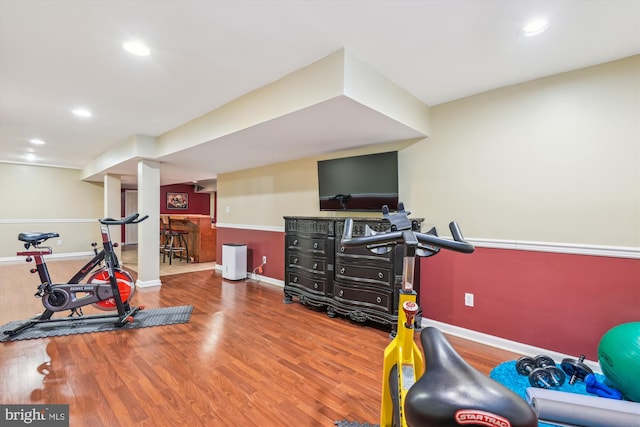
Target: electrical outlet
[(264, 259), (59, 242), (468, 300)]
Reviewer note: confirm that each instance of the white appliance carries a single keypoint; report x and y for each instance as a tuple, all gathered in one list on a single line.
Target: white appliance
[(234, 261)]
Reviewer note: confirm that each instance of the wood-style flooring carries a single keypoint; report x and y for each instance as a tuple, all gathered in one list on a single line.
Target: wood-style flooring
[(244, 359)]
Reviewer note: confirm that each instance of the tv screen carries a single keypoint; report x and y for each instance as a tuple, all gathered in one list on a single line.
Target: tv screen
[(360, 183)]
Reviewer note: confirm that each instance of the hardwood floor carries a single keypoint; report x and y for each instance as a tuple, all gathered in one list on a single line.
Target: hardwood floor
[(244, 359)]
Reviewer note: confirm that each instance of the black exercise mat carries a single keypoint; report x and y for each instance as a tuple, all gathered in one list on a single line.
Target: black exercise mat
[(143, 319)]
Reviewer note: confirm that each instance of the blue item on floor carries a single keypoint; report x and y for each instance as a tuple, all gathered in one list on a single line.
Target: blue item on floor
[(506, 374)]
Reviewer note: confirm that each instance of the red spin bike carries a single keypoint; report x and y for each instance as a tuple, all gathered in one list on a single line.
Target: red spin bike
[(109, 288)]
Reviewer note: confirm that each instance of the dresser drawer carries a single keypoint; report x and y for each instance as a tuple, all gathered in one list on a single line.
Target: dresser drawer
[(363, 297), (307, 263), (315, 246), (383, 255), (364, 274), (314, 285)]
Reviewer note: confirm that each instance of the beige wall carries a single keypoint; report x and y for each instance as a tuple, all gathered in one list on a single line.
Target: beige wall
[(45, 199), (262, 196), (552, 160)]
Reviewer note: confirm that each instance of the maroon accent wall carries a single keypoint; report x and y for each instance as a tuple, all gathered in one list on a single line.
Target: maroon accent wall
[(560, 302), (259, 243), (199, 203)]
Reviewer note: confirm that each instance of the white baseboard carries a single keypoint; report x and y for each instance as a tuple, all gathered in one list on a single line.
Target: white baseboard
[(15, 259), (265, 279), (257, 277), (504, 344), (148, 283)]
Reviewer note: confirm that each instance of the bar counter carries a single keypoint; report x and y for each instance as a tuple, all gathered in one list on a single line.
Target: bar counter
[(201, 237)]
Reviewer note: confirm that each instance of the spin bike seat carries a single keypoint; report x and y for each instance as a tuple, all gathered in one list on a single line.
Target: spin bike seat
[(452, 393), (36, 238)]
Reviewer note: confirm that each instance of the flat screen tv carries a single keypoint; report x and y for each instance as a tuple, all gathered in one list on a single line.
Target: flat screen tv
[(360, 183)]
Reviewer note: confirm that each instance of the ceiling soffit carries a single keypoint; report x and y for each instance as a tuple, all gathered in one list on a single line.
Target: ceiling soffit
[(336, 103)]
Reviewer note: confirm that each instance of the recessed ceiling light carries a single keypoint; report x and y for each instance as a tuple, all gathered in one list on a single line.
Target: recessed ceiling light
[(36, 141), (136, 47), (82, 112), (535, 27)]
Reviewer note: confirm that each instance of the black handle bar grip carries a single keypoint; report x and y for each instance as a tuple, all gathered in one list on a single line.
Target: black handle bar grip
[(458, 243), (395, 237), (140, 219), (131, 219), (377, 239)]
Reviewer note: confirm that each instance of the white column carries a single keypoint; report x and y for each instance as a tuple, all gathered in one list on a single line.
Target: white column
[(149, 230), (112, 209)]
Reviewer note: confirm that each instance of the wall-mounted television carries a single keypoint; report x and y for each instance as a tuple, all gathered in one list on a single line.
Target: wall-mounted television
[(359, 183)]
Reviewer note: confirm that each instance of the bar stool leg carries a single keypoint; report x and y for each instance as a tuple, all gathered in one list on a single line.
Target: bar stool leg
[(171, 250), (183, 242)]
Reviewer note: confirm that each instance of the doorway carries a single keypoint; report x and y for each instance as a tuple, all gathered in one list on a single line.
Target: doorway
[(130, 207)]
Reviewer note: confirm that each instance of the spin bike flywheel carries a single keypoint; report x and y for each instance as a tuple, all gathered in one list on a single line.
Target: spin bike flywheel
[(126, 286)]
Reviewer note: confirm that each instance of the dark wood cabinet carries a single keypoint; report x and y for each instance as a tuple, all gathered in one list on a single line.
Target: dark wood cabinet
[(352, 282)]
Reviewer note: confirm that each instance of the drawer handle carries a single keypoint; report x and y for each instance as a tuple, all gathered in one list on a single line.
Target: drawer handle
[(341, 293), (295, 279), (295, 242), (342, 270), (315, 265), (295, 260), (315, 286), (315, 245), (380, 275), (378, 300), (341, 248)]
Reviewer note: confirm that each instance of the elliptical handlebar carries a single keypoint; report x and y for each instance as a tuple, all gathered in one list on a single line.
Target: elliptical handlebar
[(131, 219), (458, 244)]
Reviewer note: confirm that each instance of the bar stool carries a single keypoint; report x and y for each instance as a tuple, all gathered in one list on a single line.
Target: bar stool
[(176, 243)]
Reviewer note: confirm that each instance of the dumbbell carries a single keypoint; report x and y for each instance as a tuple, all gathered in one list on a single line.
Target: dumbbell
[(538, 377), (576, 369), (548, 364)]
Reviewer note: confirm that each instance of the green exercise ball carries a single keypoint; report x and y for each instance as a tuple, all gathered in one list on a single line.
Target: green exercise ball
[(619, 357)]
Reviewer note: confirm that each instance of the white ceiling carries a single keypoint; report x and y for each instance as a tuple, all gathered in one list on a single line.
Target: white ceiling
[(56, 55)]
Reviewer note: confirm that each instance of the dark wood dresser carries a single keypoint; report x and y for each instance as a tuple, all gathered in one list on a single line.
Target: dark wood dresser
[(353, 282)]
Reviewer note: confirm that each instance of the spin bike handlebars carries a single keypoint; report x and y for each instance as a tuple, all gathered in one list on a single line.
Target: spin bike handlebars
[(131, 219), (407, 237)]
